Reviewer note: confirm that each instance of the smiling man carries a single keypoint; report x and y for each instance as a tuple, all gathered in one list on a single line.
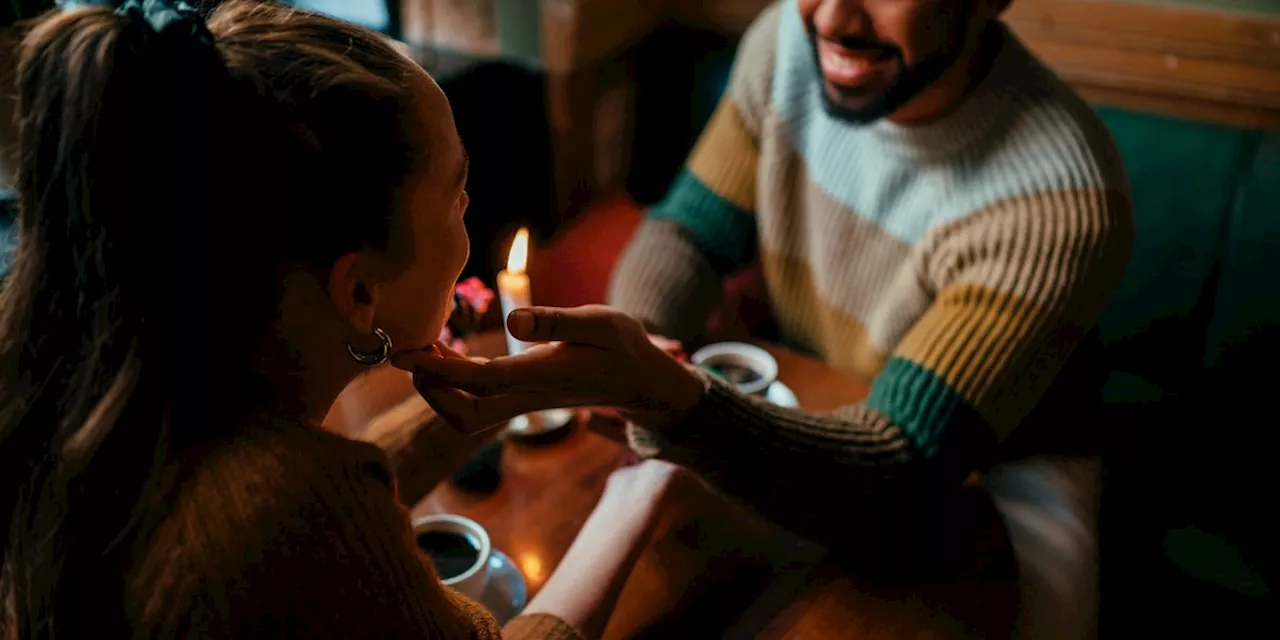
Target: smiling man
[(933, 209)]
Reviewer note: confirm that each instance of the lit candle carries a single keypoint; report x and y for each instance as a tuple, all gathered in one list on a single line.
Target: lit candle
[(513, 286), (513, 293)]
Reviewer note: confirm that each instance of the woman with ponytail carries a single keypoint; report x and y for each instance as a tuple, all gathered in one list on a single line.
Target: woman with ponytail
[(222, 224)]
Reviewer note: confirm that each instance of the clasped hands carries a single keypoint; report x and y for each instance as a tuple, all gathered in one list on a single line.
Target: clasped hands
[(589, 356)]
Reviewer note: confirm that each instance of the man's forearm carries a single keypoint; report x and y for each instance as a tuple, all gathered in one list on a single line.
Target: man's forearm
[(833, 478), (665, 281)]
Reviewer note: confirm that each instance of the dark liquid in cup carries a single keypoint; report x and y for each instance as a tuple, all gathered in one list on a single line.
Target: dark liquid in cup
[(734, 373), (452, 553)]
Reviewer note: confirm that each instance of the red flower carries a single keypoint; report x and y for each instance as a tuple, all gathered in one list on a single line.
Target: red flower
[(471, 301), (474, 291)]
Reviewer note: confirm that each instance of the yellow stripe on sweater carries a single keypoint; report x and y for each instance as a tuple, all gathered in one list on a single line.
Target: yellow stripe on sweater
[(804, 313), (1019, 285), (999, 351), (725, 158)]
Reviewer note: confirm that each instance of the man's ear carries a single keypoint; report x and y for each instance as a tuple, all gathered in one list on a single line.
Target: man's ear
[(354, 292)]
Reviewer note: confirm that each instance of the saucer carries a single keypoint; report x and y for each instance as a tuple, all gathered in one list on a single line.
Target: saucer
[(505, 595), (540, 422), (782, 395)]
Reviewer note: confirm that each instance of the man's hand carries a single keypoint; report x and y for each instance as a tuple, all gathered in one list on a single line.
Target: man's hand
[(595, 356)]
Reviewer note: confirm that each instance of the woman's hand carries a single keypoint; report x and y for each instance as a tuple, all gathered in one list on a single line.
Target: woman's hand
[(597, 356)]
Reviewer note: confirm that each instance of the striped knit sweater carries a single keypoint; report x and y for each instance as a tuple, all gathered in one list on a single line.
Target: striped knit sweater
[(958, 264)]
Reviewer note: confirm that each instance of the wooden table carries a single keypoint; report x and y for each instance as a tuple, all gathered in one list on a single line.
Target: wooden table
[(779, 590)]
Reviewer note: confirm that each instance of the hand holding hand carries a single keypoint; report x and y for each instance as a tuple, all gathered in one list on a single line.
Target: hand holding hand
[(596, 356)]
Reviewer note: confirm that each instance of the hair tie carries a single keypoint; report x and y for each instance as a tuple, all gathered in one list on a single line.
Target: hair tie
[(166, 20)]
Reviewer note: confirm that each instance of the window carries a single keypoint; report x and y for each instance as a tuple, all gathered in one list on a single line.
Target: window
[(374, 14)]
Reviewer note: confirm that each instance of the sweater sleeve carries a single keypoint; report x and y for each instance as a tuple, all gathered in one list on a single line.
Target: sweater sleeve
[(1018, 286), (540, 626), (669, 275)]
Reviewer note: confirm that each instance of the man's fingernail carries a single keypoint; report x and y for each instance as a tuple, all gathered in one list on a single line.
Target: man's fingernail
[(520, 322)]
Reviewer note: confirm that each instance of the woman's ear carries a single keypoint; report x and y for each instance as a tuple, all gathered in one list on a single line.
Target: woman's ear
[(354, 292)]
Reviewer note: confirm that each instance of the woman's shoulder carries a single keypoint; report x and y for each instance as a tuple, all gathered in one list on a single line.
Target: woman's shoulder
[(279, 467), (281, 530), (278, 476), (257, 519)]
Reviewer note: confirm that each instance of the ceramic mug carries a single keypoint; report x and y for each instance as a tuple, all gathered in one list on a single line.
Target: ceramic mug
[(723, 358), (460, 550)]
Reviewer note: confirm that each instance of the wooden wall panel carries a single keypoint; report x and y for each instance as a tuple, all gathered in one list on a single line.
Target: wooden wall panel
[(1220, 66)]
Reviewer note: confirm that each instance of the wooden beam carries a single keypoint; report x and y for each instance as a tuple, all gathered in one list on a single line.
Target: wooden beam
[(731, 17), (1220, 66)]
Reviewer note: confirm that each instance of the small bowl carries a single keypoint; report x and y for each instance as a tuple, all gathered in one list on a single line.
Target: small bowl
[(740, 354)]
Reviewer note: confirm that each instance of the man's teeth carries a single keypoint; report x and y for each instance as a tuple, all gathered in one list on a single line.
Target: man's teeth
[(845, 63)]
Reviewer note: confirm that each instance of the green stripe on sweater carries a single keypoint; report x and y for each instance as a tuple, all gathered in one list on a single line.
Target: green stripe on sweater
[(922, 404), (720, 229)]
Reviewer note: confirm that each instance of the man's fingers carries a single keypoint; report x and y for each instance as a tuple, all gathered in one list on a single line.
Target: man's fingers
[(485, 378), (595, 325), (456, 407), (439, 351), (476, 416), (608, 424), (526, 371), (449, 351)]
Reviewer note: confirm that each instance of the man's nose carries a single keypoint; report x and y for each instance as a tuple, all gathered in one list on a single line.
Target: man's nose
[(837, 19)]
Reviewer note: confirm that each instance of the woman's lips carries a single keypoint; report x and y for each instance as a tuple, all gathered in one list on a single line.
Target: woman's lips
[(848, 68)]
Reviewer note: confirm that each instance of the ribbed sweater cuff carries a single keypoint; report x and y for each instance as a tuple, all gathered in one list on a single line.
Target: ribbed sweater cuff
[(540, 626)]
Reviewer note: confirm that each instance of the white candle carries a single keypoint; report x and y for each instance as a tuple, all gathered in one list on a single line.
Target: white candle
[(513, 287)]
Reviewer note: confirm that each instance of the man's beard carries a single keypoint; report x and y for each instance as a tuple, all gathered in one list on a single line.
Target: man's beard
[(906, 85)]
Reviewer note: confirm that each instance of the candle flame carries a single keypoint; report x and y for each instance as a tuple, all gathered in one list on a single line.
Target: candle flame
[(518, 258)]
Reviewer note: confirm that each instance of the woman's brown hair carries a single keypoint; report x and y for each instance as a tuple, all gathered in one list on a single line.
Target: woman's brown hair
[(168, 181)]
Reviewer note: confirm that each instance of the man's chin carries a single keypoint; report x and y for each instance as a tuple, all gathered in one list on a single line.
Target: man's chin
[(861, 110)]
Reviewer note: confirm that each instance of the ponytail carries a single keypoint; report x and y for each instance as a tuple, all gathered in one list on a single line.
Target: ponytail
[(123, 118)]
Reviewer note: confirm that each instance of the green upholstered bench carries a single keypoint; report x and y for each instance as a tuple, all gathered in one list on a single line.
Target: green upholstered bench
[(1192, 337)]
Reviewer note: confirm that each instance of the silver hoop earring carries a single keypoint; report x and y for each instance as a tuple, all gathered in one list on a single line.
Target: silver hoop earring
[(375, 357)]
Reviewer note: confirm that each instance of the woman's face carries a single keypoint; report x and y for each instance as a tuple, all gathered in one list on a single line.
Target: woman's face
[(413, 305)]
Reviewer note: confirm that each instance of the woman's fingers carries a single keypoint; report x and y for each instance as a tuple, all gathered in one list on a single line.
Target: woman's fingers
[(595, 325)]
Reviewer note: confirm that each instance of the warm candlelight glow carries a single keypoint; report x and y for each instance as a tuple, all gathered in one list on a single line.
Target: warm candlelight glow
[(519, 255), (531, 565)]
